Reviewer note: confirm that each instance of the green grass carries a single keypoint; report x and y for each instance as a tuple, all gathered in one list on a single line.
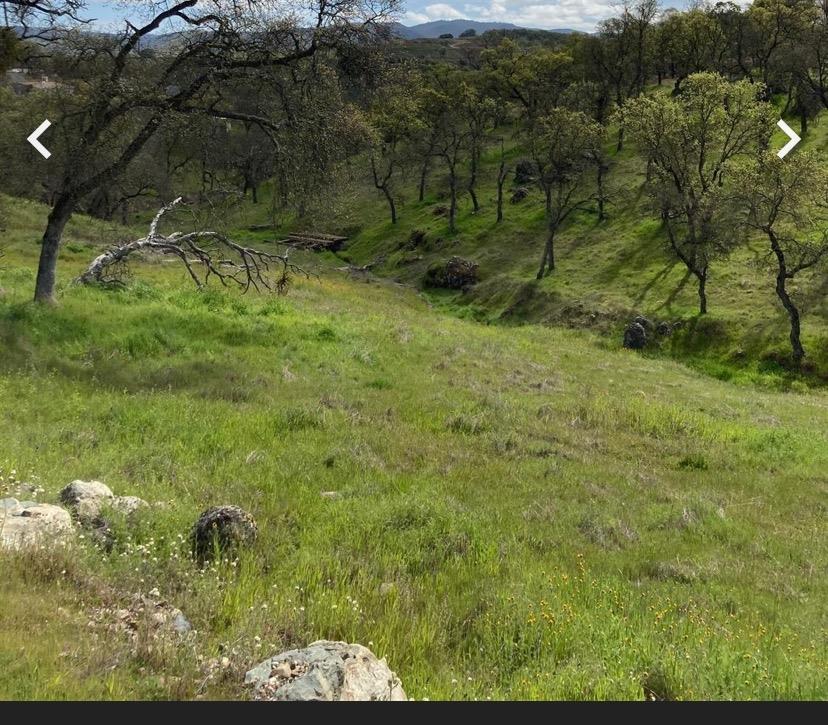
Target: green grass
[(552, 516), (607, 272)]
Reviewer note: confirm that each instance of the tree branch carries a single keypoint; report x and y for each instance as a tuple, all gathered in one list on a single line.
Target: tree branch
[(199, 251)]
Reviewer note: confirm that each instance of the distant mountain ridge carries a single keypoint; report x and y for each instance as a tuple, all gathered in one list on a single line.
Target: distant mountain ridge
[(436, 28), (432, 29)]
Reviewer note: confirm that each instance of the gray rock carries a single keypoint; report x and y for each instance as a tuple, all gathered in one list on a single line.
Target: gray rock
[(644, 322), (180, 623), (127, 505), (86, 498), (525, 171), (222, 528), (325, 671), (10, 507), (635, 336), (519, 194), (25, 527), (455, 273)]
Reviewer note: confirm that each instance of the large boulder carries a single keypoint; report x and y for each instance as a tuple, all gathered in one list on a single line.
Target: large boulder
[(664, 329), (325, 671), (222, 529), (456, 273), (635, 336), (25, 524)]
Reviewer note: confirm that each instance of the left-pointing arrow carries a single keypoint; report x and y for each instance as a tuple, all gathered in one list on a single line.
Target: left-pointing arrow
[(35, 135)]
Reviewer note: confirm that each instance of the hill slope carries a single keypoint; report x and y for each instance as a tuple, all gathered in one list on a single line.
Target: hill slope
[(520, 512), (607, 273)]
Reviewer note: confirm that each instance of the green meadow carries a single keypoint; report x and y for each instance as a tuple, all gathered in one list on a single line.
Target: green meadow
[(521, 510)]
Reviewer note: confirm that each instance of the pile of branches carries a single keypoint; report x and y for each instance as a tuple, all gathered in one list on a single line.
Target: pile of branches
[(204, 254), (456, 273)]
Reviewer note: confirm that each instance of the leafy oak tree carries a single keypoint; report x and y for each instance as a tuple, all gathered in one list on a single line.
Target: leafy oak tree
[(563, 145), (690, 143), (124, 95), (395, 120), (787, 201)]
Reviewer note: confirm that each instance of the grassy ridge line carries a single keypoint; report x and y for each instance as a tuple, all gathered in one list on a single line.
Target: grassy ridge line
[(556, 519)]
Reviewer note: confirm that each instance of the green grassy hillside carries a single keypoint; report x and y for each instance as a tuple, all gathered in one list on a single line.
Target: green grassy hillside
[(607, 273), (521, 512)]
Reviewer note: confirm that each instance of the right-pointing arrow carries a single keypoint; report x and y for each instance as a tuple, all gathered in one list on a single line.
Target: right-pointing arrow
[(791, 134)]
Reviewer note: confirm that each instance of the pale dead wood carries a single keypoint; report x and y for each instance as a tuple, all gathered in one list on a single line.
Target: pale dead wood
[(203, 254)]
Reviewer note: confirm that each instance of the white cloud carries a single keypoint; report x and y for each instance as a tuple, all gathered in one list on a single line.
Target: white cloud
[(576, 14), (442, 11), (410, 18)]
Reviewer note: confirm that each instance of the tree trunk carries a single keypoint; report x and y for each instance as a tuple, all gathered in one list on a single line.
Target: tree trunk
[(543, 261), (255, 191), (782, 292), (391, 205), (620, 145), (50, 246), (602, 169), (472, 182), (548, 259), (453, 202), (423, 177), (701, 276), (501, 179), (803, 123)]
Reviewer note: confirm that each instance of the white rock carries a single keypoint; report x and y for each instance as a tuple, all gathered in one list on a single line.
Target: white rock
[(333, 671), (42, 523)]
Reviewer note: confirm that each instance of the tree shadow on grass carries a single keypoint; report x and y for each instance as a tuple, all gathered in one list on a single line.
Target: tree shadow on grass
[(658, 277), (668, 302)]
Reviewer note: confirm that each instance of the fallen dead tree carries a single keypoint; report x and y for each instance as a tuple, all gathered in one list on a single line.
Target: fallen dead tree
[(203, 254)]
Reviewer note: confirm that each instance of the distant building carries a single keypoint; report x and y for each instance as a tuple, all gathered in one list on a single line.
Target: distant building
[(22, 81)]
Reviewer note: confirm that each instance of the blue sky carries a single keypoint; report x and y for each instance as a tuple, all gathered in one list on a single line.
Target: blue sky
[(577, 14)]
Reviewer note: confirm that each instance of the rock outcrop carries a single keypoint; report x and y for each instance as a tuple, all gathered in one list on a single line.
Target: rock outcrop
[(519, 194), (635, 336), (86, 499), (325, 671)]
